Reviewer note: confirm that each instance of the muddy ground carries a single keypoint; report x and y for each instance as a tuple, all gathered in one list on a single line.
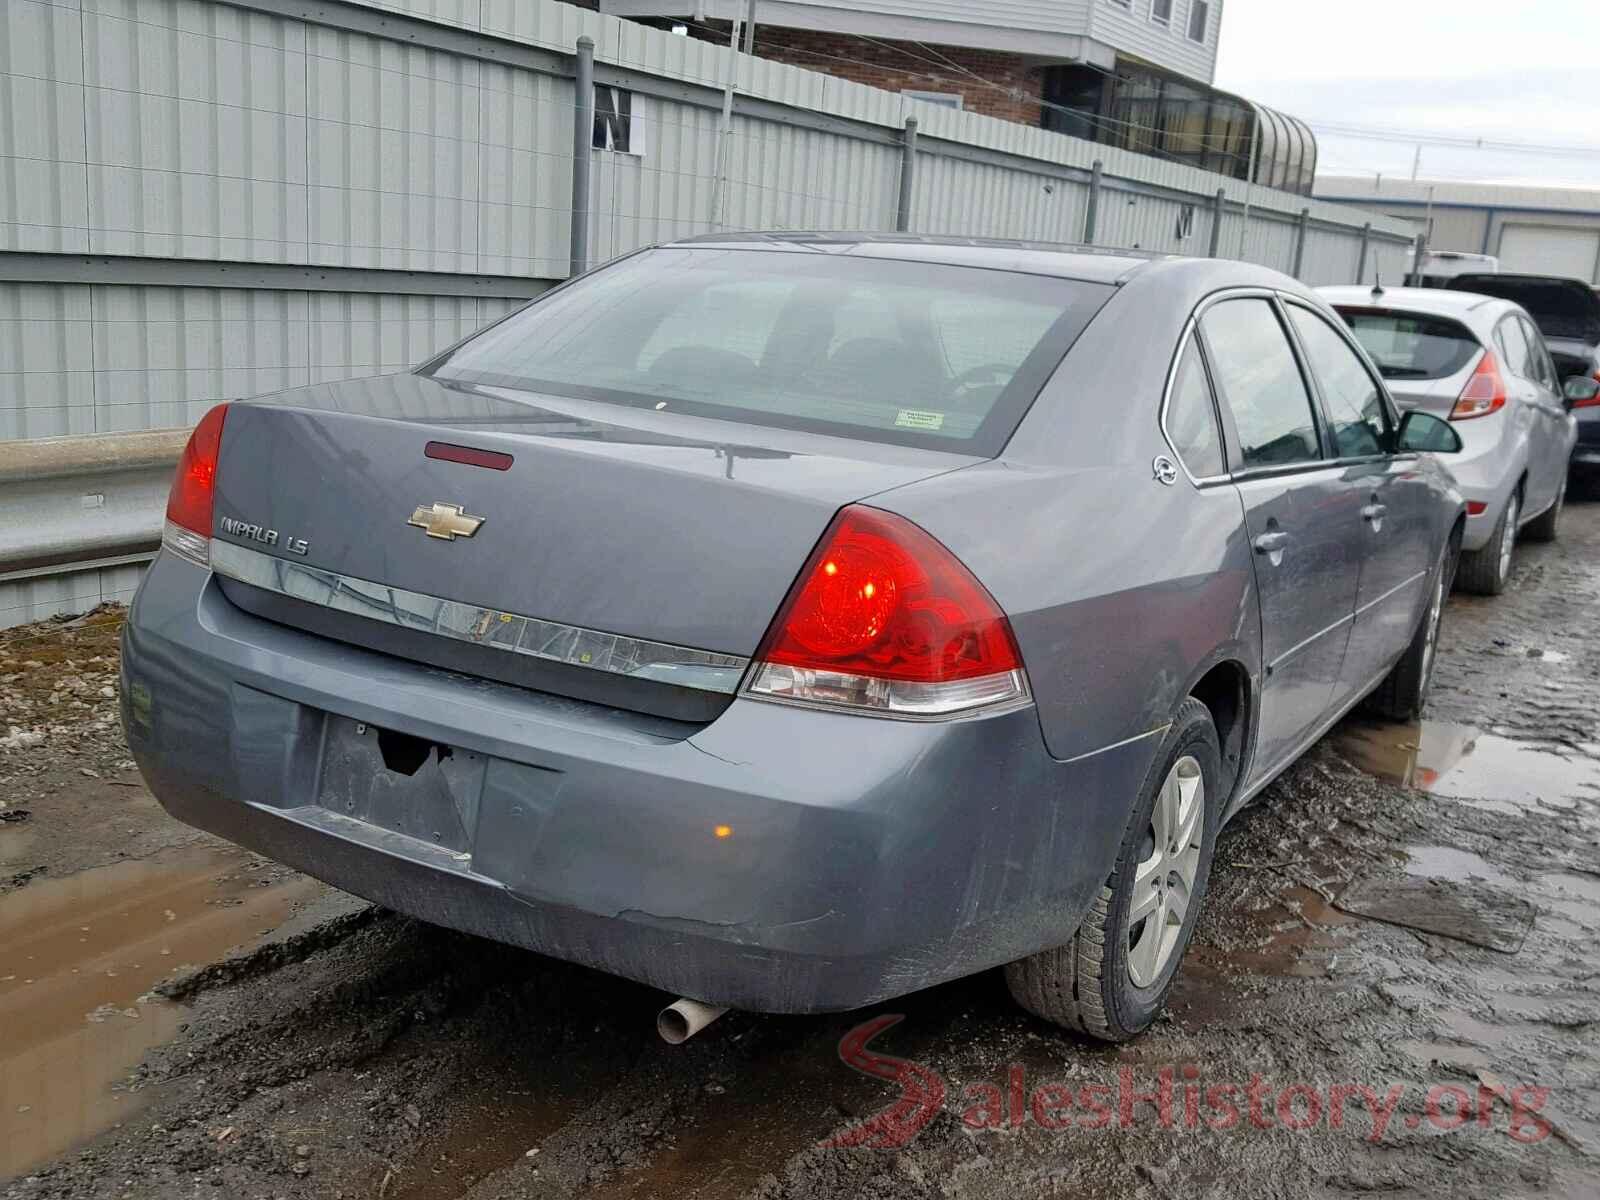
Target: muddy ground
[(179, 1017)]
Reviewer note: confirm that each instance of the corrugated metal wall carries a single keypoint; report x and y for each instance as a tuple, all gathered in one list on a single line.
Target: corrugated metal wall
[(984, 200), (26, 600), (197, 129), (161, 136), (78, 358)]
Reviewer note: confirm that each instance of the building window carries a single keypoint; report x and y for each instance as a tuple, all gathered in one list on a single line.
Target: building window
[(1161, 11), (616, 121), (1151, 112), (942, 99), (1199, 19)]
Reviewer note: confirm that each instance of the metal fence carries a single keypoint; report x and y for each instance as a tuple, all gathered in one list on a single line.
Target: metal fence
[(210, 198)]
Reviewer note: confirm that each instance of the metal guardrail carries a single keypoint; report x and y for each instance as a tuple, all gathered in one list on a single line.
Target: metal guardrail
[(83, 502)]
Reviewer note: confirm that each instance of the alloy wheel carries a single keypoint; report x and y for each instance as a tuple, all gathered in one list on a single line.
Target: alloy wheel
[(1163, 882), (1508, 536), (1435, 617)]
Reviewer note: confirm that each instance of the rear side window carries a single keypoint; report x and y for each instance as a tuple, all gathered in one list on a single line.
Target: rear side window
[(1355, 411), (1192, 417), (1260, 382), (1514, 347), (1412, 345), (1539, 367), (913, 353)]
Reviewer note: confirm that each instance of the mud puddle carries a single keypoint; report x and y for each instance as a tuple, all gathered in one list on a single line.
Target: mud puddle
[(790, 1096), (78, 956), (484, 1139), (1481, 768), (1448, 862)]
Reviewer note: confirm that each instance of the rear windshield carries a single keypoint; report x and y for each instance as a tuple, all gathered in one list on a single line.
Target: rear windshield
[(905, 352), (1412, 345)]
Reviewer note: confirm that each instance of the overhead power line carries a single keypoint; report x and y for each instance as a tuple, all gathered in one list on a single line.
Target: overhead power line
[(1453, 141)]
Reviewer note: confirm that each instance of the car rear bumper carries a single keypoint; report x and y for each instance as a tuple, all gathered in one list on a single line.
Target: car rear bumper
[(862, 858)]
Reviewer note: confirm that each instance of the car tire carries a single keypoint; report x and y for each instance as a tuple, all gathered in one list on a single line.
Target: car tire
[(1404, 691), (1545, 527), (1486, 571), (1109, 982)]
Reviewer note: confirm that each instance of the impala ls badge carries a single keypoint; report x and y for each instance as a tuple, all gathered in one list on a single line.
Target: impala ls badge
[(267, 537), (447, 521)]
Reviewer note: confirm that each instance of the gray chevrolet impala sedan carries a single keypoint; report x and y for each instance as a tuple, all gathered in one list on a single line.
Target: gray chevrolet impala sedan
[(793, 621)]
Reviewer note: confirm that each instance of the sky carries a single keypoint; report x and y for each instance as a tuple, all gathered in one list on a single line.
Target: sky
[(1525, 71)]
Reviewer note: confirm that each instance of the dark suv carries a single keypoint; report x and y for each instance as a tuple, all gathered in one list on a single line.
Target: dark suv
[(1567, 312)]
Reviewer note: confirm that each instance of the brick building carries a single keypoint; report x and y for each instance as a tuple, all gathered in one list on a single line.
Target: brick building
[(1011, 84), (1131, 73)]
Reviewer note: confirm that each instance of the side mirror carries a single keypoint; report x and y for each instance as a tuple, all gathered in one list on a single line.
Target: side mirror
[(1580, 389), (1426, 432)]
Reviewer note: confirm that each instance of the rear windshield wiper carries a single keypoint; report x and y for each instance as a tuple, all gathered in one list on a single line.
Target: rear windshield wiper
[(1402, 372)]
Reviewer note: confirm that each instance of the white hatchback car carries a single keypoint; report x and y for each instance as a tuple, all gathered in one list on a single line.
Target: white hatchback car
[(1482, 364)]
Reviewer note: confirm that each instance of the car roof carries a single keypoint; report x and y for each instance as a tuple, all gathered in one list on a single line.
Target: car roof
[(1091, 264), (1437, 302)]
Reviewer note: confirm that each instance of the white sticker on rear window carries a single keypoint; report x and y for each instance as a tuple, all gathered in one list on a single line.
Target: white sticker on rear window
[(911, 418)]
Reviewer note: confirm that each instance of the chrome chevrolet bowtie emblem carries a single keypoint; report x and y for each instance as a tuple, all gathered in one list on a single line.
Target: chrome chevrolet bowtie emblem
[(447, 521)]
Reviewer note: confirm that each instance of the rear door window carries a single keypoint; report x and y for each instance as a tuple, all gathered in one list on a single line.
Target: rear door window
[(1354, 403), (1260, 382), (913, 353), (1412, 345)]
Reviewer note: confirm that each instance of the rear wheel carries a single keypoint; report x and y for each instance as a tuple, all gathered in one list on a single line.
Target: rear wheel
[(1111, 980), (1404, 691), (1485, 571), (1544, 527)]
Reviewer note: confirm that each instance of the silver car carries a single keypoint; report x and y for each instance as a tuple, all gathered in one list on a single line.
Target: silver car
[(795, 621), (1483, 364)]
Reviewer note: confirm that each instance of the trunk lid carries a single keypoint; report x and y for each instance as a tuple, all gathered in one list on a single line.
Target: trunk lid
[(1425, 359), (661, 527), (1561, 308), (1436, 396)]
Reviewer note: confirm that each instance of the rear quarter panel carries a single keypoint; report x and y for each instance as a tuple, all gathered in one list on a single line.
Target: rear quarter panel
[(1122, 591)]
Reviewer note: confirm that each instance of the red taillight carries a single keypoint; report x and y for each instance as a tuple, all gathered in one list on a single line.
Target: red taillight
[(188, 530), (1476, 508), (1485, 391), (883, 618)]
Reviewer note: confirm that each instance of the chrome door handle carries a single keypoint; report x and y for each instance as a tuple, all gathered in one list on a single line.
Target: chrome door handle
[(1374, 512), (1271, 543)]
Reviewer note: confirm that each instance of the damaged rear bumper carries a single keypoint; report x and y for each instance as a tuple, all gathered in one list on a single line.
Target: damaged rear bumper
[(776, 859)]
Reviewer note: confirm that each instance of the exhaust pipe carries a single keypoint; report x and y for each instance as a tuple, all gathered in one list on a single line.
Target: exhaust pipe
[(682, 1019)]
